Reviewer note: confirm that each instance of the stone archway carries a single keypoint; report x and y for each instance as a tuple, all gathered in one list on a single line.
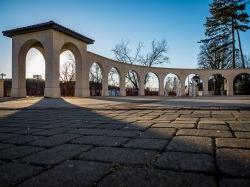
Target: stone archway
[(241, 84), (114, 82), (19, 66), (151, 84), (77, 66)]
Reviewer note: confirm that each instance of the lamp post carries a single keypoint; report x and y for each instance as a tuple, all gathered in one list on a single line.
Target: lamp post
[(2, 75)]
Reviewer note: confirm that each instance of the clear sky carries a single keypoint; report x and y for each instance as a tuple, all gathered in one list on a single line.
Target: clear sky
[(110, 21)]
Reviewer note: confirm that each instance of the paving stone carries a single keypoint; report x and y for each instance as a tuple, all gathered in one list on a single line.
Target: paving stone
[(174, 125), (29, 131), (70, 173), (185, 161), (119, 155), (50, 132), (55, 140), (140, 143), (212, 121), (22, 139), (233, 143), (161, 133), (13, 173), (235, 162), (148, 177), (9, 129), (90, 131), (4, 136), (242, 134), (204, 132), (56, 154), (240, 126), (123, 133), (18, 151), (213, 126), (5, 146), (227, 182), (191, 144), (110, 126), (100, 140)]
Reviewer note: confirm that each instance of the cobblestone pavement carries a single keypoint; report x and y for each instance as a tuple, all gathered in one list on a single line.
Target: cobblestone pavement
[(124, 147)]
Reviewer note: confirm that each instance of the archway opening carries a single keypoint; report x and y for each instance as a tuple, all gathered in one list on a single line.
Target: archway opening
[(67, 73), (242, 84), (113, 82), (172, 85), (151, 83), (35, 72), (193, 85), (132, 83), (217, 85), (95, 80)]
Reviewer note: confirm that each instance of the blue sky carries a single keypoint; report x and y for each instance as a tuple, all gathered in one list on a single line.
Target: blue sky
[(110, 21)]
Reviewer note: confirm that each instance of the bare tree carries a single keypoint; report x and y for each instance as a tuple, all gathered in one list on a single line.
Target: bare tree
[(95, 74), (156, 56), (68, 75), (67, 70)]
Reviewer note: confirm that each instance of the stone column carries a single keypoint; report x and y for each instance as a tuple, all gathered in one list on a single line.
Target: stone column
[(52, 60), (18, 71), (1, 88), (122, 84), (82, 84), (205, 87), (105, 91), (230, 87), (141, 85), (161, 85), (182, 81)]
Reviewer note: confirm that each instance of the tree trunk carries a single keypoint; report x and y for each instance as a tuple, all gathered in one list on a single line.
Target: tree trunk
[(241, 53), (233, 42)]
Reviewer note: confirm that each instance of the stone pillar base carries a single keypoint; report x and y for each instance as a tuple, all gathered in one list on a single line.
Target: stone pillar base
[(105, 93), (230, 93), (18, 92), (78, 92), (161, 93), (85, 92), (52, 92), (122, 92)]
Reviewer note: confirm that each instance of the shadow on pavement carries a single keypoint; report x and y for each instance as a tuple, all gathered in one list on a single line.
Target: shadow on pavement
[(75, 146)]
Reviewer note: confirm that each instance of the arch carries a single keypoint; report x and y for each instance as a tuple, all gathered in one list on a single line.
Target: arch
[(73, 86), (35, 73), (95, 79), (172, 85), (114, 82), (19, 82), (217, 84), (151, 84), (241, 84), (193, 85), (132, 83)]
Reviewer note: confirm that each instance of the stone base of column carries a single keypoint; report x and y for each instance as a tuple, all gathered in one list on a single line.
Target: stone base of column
[(18, 92), (161, 93), (205, 93), (52, 92), (105, 93), (122, 93), (230, 93), (85, 92), (82, 92)]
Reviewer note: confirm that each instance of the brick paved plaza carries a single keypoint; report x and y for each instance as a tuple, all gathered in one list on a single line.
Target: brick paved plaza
[(54, 142)]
